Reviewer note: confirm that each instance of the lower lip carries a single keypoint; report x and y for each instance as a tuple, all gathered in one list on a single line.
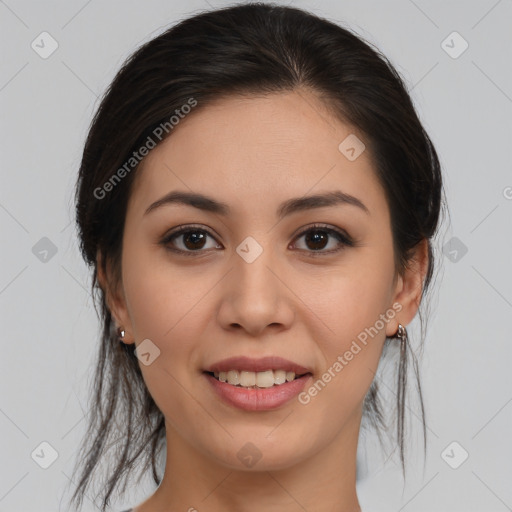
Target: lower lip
[(258, 399)]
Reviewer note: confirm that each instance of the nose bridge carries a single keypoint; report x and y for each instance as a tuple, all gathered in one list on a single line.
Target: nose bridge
[(253, 262), (255, 297)]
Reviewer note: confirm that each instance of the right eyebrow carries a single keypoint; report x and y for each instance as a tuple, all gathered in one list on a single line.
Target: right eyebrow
[(288, 207)]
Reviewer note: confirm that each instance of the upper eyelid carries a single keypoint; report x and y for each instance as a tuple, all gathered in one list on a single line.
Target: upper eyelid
[(180, 230)]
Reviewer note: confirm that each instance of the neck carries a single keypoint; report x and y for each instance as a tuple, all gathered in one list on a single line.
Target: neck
[(194, 481)]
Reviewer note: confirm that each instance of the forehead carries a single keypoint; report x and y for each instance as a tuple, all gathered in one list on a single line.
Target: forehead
[(255, 148)]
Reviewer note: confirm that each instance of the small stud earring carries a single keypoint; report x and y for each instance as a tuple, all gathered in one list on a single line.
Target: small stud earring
[(121, 332)]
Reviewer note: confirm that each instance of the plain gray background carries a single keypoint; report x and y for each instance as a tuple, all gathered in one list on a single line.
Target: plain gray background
[(50, 331)]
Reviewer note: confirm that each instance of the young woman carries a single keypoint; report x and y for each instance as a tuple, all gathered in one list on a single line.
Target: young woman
[(257, 200)]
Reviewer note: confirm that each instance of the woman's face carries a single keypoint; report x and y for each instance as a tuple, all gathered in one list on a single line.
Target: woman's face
[(260, 281)]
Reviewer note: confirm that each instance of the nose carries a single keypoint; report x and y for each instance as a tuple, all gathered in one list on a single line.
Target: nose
[(255, 296)]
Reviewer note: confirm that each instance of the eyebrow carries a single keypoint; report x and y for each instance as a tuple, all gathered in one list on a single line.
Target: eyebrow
[(286, 208)]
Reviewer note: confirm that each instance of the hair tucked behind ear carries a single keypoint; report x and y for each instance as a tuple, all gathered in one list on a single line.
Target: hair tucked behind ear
[(250, 48)]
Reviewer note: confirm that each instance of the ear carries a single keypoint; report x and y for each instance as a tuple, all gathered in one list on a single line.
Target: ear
[(409, 287), (114, 297)]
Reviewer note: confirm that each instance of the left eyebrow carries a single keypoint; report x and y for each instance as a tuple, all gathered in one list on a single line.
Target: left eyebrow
[(286, 208)]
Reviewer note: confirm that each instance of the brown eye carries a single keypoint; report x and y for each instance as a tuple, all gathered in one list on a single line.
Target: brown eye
[(188, 239), (194, 240), (317, 238)]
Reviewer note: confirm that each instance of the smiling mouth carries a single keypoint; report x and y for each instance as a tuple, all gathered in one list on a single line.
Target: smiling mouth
[(256, 380)]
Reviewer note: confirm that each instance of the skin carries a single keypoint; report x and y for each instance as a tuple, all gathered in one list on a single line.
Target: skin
[(253, 153)]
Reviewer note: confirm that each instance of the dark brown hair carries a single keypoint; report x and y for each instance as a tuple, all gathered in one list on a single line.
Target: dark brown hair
[(242, 49)]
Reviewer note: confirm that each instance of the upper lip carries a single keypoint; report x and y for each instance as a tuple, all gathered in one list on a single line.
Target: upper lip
[(262, 364)]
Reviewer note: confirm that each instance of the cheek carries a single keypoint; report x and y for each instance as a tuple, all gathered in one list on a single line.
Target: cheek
[(350, 337), (161, 309), (348, 308), (159, 296), (352, 300)]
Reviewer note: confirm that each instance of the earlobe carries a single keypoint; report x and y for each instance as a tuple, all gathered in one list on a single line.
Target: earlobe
[(410, 284), (115, 303), (105, 283)]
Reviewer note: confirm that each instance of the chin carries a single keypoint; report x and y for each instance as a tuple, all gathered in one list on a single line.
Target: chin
[(260, 456)]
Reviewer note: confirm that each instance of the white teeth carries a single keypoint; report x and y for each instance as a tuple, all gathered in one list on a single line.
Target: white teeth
[(233, 377), (279, 376), (265, 379), (247, 379)]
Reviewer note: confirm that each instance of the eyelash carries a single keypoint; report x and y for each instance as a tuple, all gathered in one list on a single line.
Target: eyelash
[(345, 240)]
